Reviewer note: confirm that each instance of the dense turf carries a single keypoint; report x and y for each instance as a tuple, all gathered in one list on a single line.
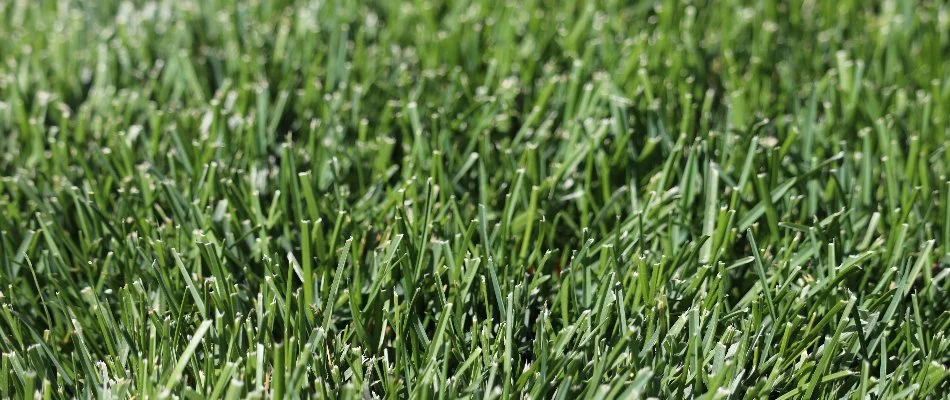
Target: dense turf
[(595, 199)]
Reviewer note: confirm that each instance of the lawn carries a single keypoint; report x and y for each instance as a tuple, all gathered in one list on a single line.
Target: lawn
[(484, 199)]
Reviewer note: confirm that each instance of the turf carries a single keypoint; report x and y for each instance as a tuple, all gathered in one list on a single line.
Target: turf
[(474, 198)]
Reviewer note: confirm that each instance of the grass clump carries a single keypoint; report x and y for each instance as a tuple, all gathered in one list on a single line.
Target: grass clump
[(480, 199)]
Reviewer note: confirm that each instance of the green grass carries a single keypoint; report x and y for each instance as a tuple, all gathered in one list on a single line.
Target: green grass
[(467, 198)]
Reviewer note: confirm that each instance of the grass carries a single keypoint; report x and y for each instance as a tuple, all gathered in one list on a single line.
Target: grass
[(480, 199)]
